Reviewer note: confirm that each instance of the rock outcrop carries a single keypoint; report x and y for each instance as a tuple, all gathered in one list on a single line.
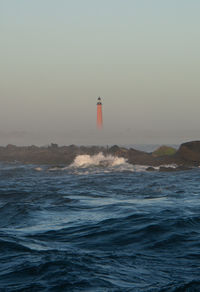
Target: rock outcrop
[(164, 151), (188, 155)]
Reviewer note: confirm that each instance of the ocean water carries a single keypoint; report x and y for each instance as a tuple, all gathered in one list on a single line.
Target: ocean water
[(99, 224)]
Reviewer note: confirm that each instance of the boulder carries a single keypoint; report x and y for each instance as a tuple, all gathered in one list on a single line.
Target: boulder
[(189, 153), (150, 168)]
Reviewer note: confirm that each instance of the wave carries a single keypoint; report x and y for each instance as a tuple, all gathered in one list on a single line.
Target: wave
[(98, 160), (82, 165), (98, 163), (109, 163), (115, 232), (38, 168)]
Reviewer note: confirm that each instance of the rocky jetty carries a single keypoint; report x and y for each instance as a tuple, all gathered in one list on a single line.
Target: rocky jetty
[(187, 156)]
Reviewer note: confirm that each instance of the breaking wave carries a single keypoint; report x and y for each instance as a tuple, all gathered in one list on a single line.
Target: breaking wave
[(98, 160), (85, 164)]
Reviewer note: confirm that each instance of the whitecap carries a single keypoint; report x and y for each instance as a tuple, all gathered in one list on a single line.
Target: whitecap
[(38, 169)]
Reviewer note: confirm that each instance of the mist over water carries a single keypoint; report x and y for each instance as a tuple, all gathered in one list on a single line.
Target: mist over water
[(99, 224), (143, 59)]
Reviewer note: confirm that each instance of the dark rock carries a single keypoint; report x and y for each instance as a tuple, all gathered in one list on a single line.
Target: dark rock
[(167, 169), (114, 149), (182, 168), (178, 168), (139, 157), (53, 146), (189, 153), (150, 169)]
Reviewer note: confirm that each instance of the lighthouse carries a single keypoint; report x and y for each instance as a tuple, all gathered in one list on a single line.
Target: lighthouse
[(99, 113)]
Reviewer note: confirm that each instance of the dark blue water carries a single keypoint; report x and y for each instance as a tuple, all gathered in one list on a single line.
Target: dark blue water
[(97, 228)]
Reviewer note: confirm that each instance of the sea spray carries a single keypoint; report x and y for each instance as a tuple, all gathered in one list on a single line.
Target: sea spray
[(103, 163), (98, 160), (99, 163)]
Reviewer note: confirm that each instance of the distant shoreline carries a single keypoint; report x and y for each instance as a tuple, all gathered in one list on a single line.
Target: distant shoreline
[(186, 156)]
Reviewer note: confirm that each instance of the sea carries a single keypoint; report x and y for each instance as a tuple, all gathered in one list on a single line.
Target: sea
[(99, 224)]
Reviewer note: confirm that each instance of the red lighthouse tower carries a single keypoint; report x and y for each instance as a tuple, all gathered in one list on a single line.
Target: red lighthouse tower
[(99, 114)]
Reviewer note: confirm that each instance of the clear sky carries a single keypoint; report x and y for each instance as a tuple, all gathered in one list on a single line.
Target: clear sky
[(58, 56)]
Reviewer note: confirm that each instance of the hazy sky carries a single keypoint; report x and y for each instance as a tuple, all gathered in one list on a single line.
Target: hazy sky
[(58, 56)]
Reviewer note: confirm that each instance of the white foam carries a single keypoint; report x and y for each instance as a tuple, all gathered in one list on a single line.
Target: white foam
[(98, 160), (100, 163), (55, 168), (91, 164), (165, 165), (38, 169)]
